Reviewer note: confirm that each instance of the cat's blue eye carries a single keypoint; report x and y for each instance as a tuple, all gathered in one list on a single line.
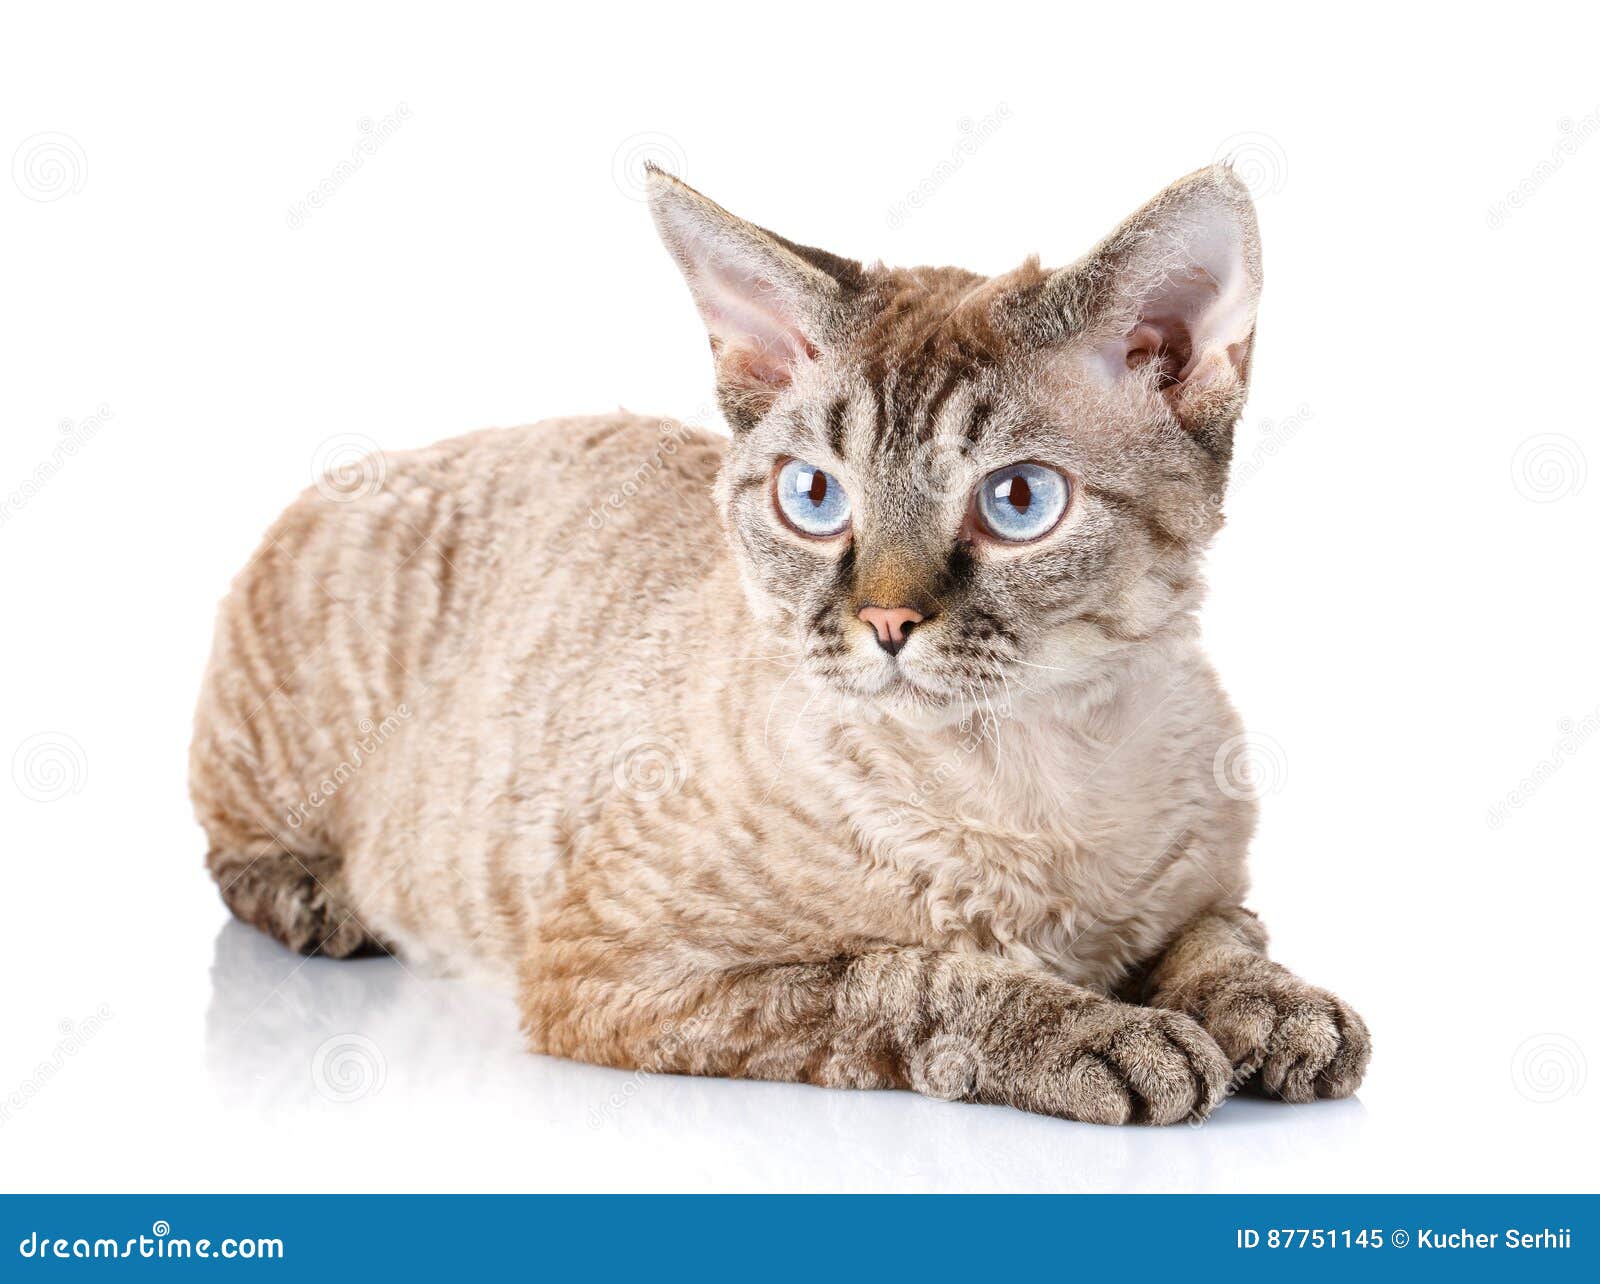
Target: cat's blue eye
[(1022, 502), (811, 500)]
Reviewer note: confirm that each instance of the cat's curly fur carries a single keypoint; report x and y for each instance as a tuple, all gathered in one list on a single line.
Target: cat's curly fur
[(654, 770)]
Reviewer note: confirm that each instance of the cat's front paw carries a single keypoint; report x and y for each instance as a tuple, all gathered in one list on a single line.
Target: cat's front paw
[(1118, 1063), (1304, 1042)]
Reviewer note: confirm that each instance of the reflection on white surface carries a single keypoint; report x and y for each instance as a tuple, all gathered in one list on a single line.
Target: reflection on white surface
[(368, 1050)]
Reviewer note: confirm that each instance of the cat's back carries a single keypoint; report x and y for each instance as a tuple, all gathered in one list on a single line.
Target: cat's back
[(398, 543), (398, 578)]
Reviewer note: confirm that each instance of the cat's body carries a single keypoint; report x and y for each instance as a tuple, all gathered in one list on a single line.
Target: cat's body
[(452, 591), (522, 707)]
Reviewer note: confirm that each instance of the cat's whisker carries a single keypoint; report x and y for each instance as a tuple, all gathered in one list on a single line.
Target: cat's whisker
[(1054, 668), (788, 743), (777, 662), (999, 755), (766, 730)]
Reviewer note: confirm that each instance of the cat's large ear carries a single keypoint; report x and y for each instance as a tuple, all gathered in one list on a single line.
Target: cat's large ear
[(769, 305), (1170, 298)]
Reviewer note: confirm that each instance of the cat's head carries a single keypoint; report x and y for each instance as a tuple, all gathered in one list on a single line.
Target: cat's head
[(943, 488)]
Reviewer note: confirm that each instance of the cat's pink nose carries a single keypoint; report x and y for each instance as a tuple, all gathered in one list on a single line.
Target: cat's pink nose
[(892, 624)]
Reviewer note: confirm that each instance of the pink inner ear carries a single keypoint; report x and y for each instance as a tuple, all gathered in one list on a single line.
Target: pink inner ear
[(1162, 342), (1193, 322), (750, 328), (1165, 332)]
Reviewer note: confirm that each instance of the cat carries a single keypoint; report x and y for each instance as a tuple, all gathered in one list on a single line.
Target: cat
[(871, 746)]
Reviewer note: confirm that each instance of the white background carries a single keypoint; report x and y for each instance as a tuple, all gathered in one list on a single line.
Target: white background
[(1403, 604)]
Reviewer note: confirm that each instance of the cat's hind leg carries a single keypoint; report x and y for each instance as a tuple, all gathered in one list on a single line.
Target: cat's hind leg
[(293, 897)]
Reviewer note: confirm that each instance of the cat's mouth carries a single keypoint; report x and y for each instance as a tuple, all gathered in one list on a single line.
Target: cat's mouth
[(890, 684), (916, 705), (915, 701), (903, 691), (908, 686), (901, 684)]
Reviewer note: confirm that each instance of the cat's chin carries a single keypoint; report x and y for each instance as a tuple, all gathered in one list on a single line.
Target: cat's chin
[(924, 716), (911, 703)]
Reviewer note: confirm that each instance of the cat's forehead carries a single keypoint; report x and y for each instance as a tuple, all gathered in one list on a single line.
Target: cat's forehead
[(927, 329), (967, 390), (937, 385), (927, 359)]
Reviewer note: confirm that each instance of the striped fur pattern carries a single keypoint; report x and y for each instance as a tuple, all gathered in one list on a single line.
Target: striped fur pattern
[(570, 706)]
